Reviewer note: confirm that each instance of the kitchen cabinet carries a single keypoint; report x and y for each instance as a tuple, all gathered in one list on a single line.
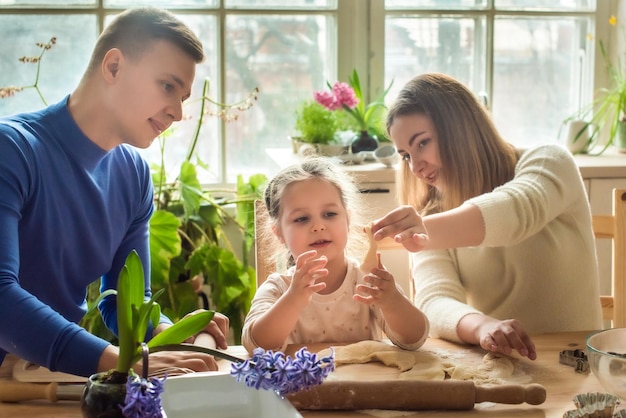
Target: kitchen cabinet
[(601, 175)]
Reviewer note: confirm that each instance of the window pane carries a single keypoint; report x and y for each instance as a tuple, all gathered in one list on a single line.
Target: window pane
[(287, 57), (560, 5), (447, 44), (177, 145), (537, 75), (160, 3), (281, 4), (45, 3), (61, 67), (435, 4)]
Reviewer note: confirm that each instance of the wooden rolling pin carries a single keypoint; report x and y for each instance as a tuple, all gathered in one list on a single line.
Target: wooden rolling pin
[(412, 395)]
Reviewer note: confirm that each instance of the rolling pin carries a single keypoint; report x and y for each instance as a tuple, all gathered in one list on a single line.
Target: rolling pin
[(19, 391), (412, 395)]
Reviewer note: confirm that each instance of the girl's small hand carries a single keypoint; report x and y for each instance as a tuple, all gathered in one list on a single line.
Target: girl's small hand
[(506, 336), (404, 225), (380, 289), (308, 270)]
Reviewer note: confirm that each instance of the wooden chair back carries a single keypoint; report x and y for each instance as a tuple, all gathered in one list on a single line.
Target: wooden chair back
[(614, 227), (263, 265)]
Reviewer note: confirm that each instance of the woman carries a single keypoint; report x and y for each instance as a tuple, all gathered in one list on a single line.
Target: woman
[(502, 236)]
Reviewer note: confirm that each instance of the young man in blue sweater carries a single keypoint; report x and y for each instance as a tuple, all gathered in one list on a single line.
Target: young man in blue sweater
[(76, 197)]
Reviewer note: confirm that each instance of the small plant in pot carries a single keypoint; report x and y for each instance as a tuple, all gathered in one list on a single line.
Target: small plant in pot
[(121, 392), (607, 112), (318, 126), (348, 97)]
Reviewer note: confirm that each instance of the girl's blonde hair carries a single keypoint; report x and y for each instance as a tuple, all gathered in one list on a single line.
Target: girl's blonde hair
[(474, 157), (321, 168)]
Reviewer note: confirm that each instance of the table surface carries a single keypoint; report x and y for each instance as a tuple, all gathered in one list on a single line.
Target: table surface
[(562, 383)]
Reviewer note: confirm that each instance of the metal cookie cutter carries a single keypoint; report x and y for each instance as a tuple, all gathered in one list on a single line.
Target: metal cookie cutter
[(575, 358)]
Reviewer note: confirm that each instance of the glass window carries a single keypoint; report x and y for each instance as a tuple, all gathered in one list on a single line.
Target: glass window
[(61, 66), (448, 44), (538, 67), (533, 60)]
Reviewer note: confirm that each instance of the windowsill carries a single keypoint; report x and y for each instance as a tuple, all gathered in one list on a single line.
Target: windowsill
[(367, 172), (611, 164)]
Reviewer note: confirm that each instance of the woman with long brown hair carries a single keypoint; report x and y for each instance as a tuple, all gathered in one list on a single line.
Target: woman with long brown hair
[(502, 239)]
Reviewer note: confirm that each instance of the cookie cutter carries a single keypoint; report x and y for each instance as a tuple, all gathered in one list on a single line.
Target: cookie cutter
[(575, 358)]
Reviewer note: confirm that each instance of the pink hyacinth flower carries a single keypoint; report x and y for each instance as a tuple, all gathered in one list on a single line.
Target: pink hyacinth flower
[(344, 94), (327, 99)]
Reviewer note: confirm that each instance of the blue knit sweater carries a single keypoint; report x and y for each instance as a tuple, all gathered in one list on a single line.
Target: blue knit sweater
[(70, 213)]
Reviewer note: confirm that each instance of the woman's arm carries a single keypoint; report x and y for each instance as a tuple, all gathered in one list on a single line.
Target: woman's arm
[(460, 227)]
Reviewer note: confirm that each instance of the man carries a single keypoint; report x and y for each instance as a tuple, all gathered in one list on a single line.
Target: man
[(76, 198)]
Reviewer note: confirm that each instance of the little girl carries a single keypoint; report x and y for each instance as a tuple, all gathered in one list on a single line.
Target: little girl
[(322, 297)]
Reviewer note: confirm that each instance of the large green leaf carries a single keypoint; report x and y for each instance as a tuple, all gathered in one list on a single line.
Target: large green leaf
[(165, 243), (130, 292), (190, 188), (183, 329)]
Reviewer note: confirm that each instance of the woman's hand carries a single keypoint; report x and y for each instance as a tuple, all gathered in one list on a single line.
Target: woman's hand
[(500, 336), (404, 225)]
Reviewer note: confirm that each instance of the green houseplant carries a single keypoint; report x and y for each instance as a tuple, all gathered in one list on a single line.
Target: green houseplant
[(318, 127), (366, 119), (607, 112), (120, 392), (316, 124), (189, 242)]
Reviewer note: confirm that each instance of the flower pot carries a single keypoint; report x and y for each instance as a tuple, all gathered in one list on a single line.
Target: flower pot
[(577, 138), (104, 395), (331, 150), (363, 141), (620, 138)]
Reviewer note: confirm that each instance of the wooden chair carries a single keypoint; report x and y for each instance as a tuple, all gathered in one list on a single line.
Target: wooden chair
[(262, 265), (614, 227)]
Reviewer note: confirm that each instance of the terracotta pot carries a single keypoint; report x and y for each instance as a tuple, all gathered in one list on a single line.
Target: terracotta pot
[(102, 399)]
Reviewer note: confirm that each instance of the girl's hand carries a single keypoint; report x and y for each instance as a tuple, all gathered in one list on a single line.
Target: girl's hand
[(505, 336), (404, 225), (380, 288), (308, 270)]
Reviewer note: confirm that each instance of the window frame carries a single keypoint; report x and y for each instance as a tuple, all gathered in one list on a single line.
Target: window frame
[(361, 40)]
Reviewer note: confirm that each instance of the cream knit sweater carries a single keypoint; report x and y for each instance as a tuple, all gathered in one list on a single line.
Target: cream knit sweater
[(536, 264)]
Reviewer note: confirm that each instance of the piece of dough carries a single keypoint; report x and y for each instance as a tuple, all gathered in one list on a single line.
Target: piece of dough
[(370, 261), (370, 350), (427, 365)]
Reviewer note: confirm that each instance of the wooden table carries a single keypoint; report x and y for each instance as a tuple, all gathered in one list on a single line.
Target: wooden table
[(561, 383)]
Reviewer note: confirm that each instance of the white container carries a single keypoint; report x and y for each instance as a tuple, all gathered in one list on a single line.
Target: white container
[(219, 395)]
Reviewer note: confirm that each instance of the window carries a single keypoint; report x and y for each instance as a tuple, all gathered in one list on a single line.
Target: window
[(532, 60)]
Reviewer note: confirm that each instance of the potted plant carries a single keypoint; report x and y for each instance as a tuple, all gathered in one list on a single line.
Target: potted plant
[(348, 97), (606, 113), (317, 126), (121, 392)]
